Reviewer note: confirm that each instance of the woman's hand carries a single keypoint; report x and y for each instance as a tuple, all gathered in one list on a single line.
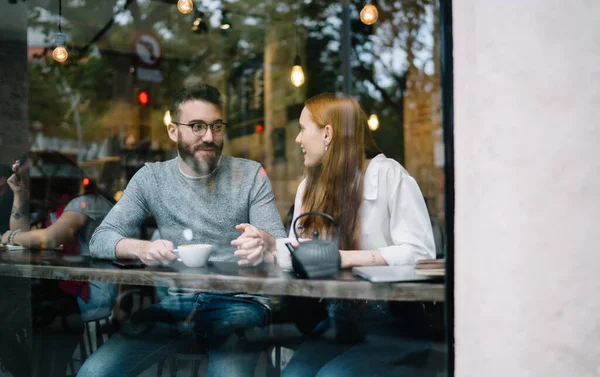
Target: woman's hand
[(16, 184), (5, 237), (295, 243), (15, 181)]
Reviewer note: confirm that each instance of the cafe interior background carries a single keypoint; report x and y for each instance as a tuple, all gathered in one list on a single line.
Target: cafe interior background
[(94, 81), (105, 106)]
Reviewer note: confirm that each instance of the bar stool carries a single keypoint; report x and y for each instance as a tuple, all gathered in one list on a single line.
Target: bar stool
[(191, 351), (90, 343)]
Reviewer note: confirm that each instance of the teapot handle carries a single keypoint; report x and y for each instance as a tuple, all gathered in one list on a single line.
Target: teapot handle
[(312, 213)]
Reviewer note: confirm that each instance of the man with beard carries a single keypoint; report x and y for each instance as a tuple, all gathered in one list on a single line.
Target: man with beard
[(203, 197)]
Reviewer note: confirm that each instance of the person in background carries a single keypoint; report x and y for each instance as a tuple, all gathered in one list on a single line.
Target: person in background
[(382, 221), (6, 198), (60, 308), (71, 227)]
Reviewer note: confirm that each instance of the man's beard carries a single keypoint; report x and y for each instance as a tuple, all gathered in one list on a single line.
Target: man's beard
[(204, 166)]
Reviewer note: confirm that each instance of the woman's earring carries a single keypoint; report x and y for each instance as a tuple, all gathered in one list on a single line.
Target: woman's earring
[(326, 145)]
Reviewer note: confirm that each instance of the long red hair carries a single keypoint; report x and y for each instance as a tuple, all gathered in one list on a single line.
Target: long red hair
[(336, 185)]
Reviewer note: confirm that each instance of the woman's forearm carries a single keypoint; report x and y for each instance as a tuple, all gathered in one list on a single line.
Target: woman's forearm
[(356, 258), (19, 215), (38, 239)]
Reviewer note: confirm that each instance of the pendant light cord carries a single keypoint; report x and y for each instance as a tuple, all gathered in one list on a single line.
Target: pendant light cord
[(59, 16), (296, 25)]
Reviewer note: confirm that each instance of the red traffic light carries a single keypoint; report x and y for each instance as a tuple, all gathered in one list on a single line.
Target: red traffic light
[(260, 128), (143, 97), (86, 181)]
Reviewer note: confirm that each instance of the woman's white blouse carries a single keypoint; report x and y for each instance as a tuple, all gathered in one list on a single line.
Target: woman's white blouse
[(393, 215)]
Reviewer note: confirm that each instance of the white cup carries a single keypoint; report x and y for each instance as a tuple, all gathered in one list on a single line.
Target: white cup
[(284, 258), (194, 255)]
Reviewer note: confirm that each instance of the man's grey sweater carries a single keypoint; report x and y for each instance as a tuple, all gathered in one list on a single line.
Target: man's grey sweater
[(192, 210)]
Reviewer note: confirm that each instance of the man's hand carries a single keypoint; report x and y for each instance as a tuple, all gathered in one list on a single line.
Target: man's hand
[(252, 245), (159, 252)]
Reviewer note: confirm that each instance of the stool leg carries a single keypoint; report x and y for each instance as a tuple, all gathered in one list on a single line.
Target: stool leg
[(109, 327), (278, 359), (99, 336), (173, 367), (159, 368), (195, 367), (89, 337), (72, 366), (82, 350)]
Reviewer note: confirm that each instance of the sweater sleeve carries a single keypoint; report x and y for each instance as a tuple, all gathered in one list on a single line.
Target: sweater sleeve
[(125, 217)]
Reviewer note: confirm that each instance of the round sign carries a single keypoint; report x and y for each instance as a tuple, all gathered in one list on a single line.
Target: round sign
[(147, 49)]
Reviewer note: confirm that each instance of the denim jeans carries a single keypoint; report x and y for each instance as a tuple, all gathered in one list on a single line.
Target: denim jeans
[(100, 303), (224, 325), (366, 341)]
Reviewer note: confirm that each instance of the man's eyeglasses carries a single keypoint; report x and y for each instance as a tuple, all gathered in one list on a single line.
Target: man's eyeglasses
[(200, 127)]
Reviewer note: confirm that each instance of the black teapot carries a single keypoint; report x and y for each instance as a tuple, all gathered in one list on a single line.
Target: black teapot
[(317, 258)]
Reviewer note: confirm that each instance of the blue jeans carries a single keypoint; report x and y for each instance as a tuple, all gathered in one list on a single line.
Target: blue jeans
[(101, 301), (378, 346), (224, 325)]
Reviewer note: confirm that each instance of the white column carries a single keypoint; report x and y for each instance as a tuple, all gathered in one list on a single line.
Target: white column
[(527, 141)]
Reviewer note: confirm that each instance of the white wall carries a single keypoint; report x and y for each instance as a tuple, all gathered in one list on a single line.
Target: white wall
[(527, 141)]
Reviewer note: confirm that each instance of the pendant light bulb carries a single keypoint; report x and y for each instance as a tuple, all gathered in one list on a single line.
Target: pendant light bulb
[(373, 122), (297, 75), (60, 53), (167, 118), (369, 14), (225, 24), (185, 6)]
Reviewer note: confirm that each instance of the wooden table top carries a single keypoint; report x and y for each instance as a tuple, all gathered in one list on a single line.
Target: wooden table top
[(222, 276)]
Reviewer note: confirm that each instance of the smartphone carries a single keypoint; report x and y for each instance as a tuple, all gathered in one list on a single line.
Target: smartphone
[(128, 264)]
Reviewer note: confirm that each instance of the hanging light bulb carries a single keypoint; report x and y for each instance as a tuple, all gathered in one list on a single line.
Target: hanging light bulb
[(167, 118), (60, 53), (369, 14), (185, 6), (199, 24), (297, 75), (225, 24), (373, 122)]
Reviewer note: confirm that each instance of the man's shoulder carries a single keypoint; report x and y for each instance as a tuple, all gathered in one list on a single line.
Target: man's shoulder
[(236, 163), (159, 168)]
